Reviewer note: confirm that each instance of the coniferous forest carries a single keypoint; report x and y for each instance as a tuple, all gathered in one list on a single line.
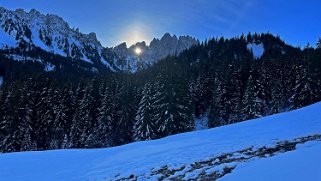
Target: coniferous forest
[(73, 108)]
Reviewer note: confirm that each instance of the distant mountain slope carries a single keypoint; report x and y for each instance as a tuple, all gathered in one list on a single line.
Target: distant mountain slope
[(27, 30), (207, 154), (49, 32)]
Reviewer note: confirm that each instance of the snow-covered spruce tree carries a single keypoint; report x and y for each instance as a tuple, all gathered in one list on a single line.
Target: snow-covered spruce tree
[(104, 128), (2, 111), (94, 103), (319, 43), (172, 106), (198, 93), (2, 98), (302, 91), (9, 123), (125, 114), (266, 81), (278, 87), (26, 115), (62, 118), (287, 77), (235, 90), (201, 91), (214, 119), (230, 97), (76, 126), (83, 132), (279, 101), (144, 126), (112, 112), (82, 122), (69, 102), (44, 117), (33, 98), (307, 85), (16, 124), (252, 104)]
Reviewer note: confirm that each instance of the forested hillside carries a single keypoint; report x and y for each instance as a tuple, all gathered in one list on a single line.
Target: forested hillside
[(73, 106)]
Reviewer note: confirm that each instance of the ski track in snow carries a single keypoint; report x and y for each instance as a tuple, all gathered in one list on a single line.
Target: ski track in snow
[(141, 158)]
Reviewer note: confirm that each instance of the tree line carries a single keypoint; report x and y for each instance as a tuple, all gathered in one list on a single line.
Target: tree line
[(219, 78)]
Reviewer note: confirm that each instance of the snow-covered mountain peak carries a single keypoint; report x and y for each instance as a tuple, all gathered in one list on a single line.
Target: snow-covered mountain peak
[(34, 12), (140, 44), (48, 32), (158, 49), (51, 33), (169, 37), (91, 38)]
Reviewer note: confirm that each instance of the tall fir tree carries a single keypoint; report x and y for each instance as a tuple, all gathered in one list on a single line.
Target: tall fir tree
[(319, 43), (214, 119), (105, 121), (253, 104), (172, 106), (44, 117), (144, 127), (59, 130), (302, 92), (125, 113), (75, 137), (15, 124)]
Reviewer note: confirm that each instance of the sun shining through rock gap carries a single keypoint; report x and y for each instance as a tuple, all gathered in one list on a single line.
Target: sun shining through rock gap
[(138, 51)]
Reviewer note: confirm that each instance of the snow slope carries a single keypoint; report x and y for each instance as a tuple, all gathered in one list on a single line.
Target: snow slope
[(305, 162), (143, 159)]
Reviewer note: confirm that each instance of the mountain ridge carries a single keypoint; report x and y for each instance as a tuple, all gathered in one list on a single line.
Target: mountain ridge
[(26, 30)]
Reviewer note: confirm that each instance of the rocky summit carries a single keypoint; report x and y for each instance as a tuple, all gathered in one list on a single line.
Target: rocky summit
[(28, 30)]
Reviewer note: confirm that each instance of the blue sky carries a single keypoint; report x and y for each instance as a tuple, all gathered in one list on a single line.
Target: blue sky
[(114, 21)]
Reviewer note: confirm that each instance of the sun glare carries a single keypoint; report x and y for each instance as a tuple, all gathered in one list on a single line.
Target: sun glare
[(135, 32), (138, 51)]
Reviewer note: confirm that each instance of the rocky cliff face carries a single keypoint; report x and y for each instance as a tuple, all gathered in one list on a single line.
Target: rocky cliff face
[(158, 49), (48, 32), (25, 30)]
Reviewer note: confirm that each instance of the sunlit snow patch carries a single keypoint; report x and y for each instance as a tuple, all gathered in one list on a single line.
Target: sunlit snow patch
[(201, 122), (17, 57), (6, 40), (257, 49), (49, 67)]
